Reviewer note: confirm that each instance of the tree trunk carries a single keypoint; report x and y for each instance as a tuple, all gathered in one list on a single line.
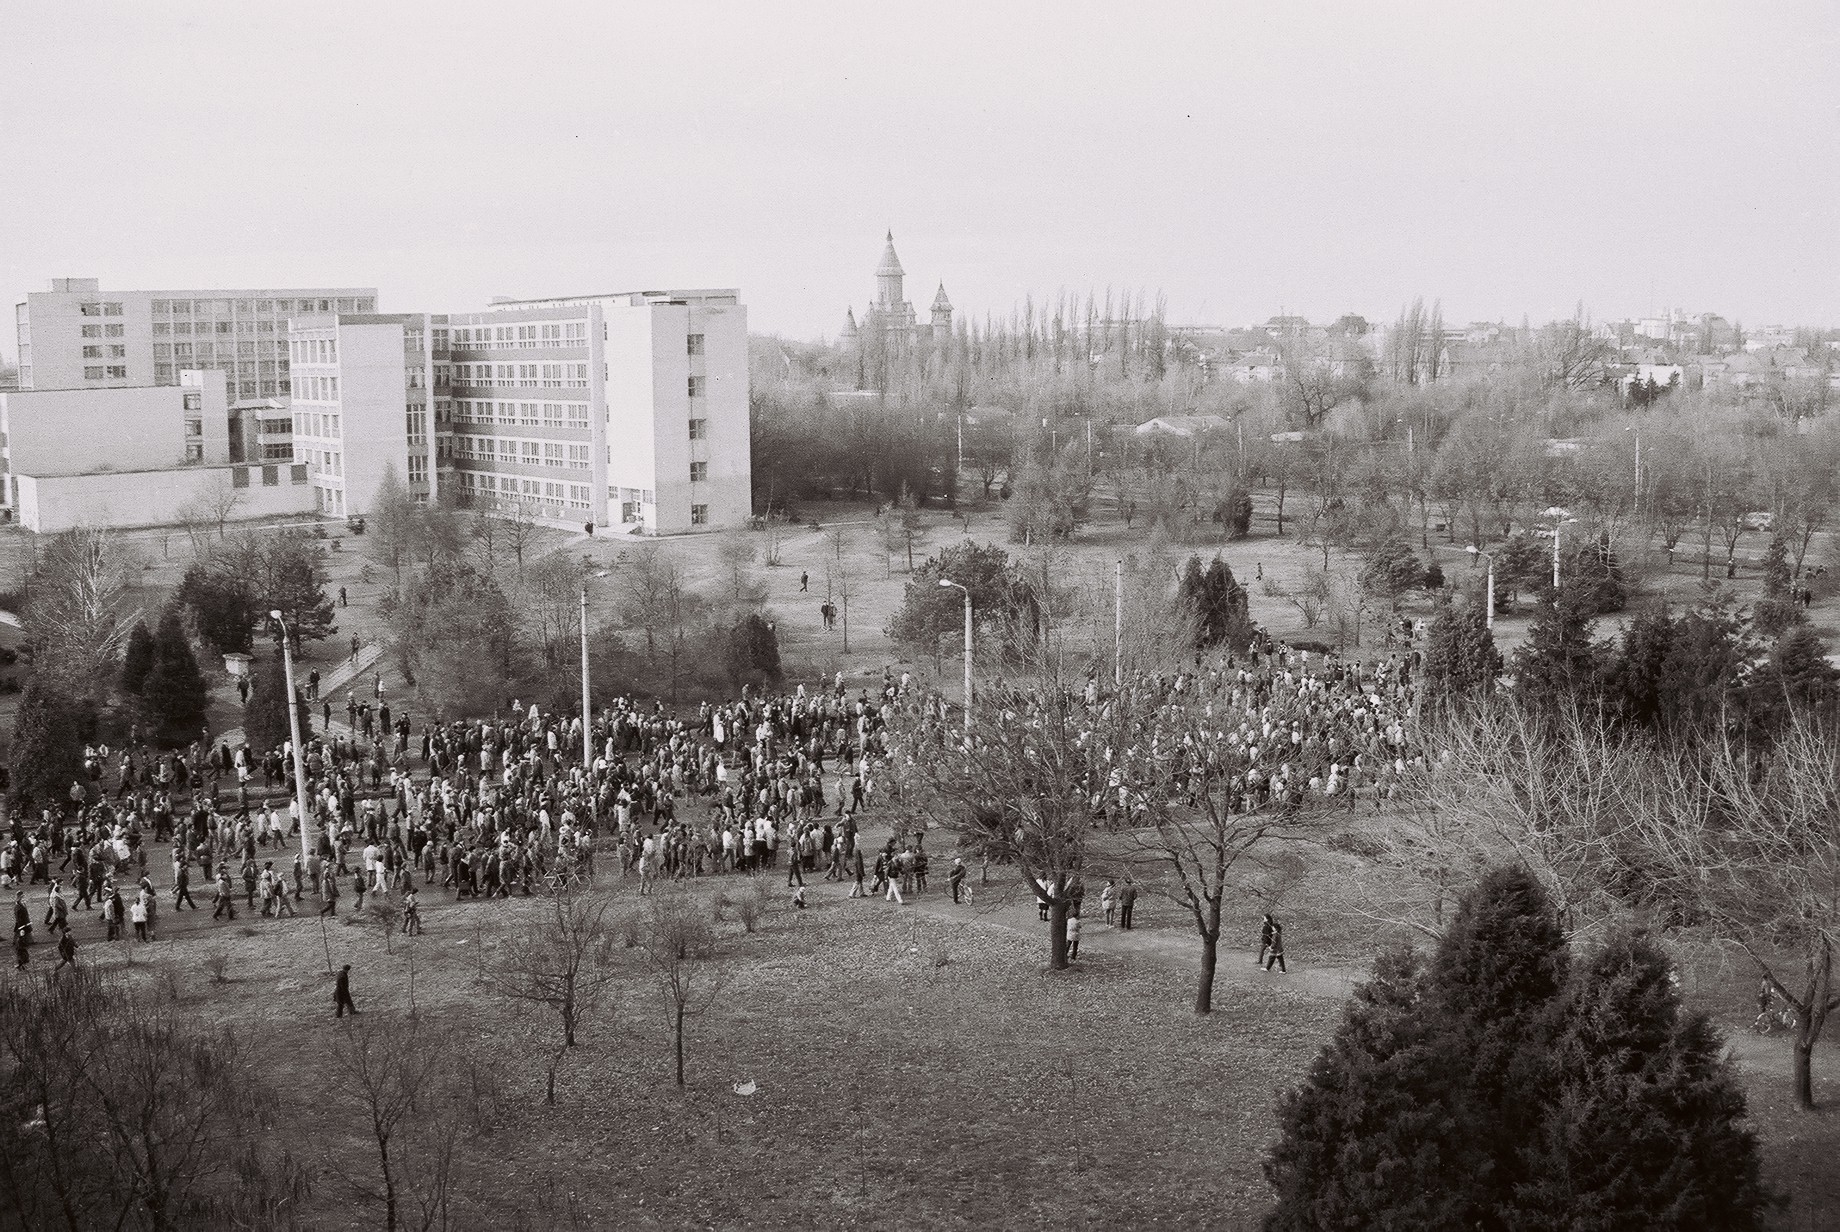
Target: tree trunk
[(680, 1045), (1804, 1067), (1210, 952), (1057, 932)]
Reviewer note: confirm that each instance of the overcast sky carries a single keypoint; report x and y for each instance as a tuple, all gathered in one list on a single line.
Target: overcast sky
[(1242, 159)]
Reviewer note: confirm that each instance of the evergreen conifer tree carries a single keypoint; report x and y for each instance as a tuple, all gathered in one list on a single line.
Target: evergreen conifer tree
[(173, 696), (137, 660), (1776, 609), (752, 652), (1461, 661), (1559, 662), (48, 733), (1373, 1136), (1643, 1125)]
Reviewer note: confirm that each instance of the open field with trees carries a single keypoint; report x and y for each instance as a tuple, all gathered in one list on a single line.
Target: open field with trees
[(1623, 787)]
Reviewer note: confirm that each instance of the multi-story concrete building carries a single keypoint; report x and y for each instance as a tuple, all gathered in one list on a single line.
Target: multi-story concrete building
[(367, 388), (525, 431), (135, 456), (77, 336), (664, 375)]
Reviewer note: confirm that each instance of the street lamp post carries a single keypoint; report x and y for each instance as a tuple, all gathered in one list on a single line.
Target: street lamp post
[(300, 749), (1638, 433), (1489, 600), (1558, 526), (944, 582), (587, 725), (1118, 625)]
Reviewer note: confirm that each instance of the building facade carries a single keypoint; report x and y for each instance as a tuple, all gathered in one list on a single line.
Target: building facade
[(523, 437), (367, 389), (665, 380), (77, 336)]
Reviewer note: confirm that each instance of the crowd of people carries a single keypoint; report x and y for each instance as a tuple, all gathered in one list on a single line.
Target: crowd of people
[(491, 808)]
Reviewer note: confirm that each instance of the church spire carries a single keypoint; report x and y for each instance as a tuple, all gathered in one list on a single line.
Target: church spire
[(888, 277)]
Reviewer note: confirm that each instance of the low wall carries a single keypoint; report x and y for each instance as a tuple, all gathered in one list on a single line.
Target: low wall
[(122, 499)]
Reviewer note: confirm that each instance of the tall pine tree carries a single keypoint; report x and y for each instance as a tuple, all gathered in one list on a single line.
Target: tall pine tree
[(265, 716), (173, 697), (1559, 661), (137, 660), (1461, 662), (48, 733), (1643, 1125)]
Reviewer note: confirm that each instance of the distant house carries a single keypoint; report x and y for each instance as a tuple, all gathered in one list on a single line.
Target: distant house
[(1184, 426)]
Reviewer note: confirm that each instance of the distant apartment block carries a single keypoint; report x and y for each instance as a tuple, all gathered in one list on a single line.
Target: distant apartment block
[(77, 336), (144, 455), (624, 413), (666, 386)]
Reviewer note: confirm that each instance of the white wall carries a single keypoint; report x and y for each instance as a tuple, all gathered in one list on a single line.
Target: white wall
[(49, 504), (373, 406)]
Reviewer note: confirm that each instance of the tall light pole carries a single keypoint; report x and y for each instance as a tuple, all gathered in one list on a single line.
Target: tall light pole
[(1489, 600), (944, 582), (1118, 624), (1558, 526), (587, 711), (1638, 433), (300, 749)]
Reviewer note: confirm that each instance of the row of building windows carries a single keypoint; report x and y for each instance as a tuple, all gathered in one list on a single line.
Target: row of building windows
[(529, 414), (167, 329), (546, 376), (102, 331), (106, 372), (573, 496), (271, 475), (317, 423), (314, 350), (204, 350), (164, 374), (520, 337), (99, 310), (96, 352), (222, 307), (530, 453), (317, 388)]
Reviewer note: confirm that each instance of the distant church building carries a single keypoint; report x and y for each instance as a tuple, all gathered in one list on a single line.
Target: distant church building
[(890, 320)]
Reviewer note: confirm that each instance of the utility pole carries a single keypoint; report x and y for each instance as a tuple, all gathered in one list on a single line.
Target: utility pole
[(300, 751), (1118, 625)]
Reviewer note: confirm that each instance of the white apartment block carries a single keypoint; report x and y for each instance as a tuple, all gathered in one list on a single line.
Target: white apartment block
[(667, 388), (77, 336), (364, 399), (526, 431)]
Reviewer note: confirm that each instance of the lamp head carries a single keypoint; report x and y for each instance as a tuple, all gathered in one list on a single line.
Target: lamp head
[(274, 615), (945, 585)]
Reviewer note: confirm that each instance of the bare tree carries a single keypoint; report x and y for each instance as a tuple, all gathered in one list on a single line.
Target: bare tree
[(213, 505), (839, 579), (549, 594), (1202, 825), (735, 553), (677, 942), (562, 959), (75, 618), (393, 1071), (123, 1115), (1749, 846), (520, 529)]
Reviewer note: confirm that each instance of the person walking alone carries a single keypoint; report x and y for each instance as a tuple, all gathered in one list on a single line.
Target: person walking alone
[(1277, 947), (341, 994), (1127, 901)]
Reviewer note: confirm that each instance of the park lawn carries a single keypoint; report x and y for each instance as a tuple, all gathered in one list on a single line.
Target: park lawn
[(913, 1071)]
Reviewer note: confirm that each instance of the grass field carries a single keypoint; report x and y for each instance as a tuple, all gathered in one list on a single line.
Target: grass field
[(915, 1066)]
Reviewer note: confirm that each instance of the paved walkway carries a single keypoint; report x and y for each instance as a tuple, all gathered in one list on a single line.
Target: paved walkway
[(329, 685)]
